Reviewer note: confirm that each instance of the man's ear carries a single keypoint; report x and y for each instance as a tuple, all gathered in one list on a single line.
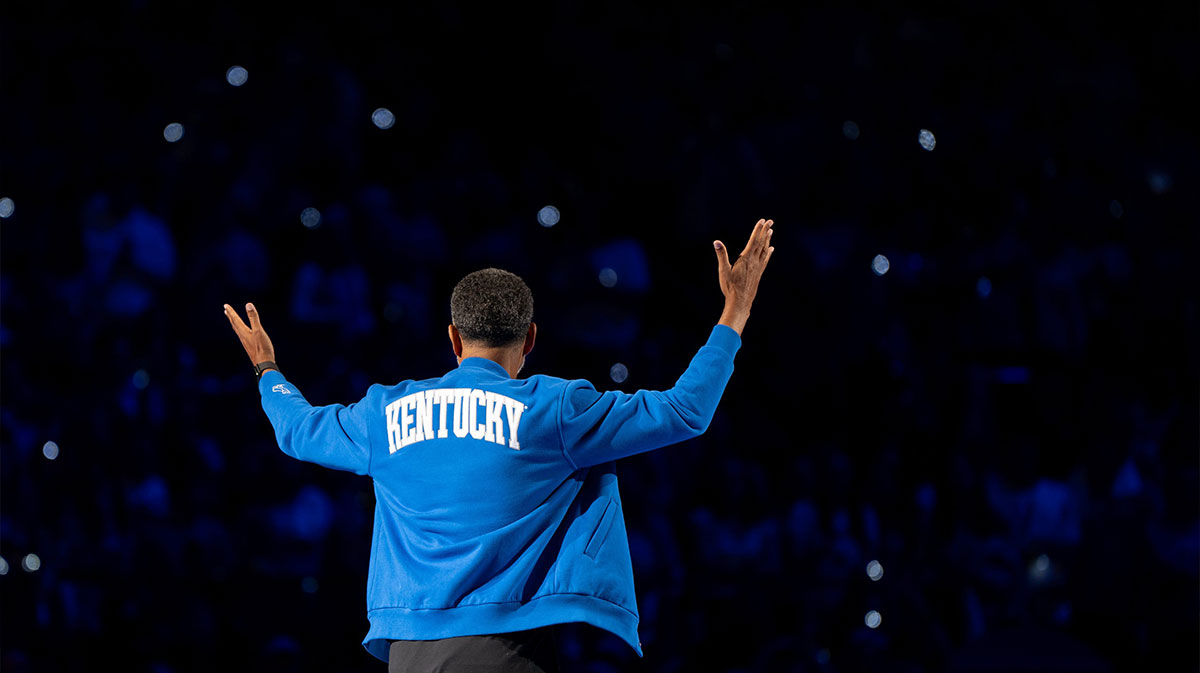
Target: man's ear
[(455, 341), (530, 337)]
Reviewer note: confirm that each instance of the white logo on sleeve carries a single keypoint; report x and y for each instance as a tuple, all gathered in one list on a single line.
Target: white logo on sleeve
[(281, 388), (434, 414)]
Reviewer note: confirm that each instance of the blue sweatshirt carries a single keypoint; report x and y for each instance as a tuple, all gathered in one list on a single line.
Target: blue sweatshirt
[(497, 507)]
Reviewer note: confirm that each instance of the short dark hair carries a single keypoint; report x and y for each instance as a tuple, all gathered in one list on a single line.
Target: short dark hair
[(492, 307)]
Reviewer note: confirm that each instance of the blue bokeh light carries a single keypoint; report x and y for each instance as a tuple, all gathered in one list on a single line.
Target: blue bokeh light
[(624, 260), (383, 118), (608, 277), (618, 373), (927, 140), (237, 75), (880, 265), (548, 216), (310, 217)]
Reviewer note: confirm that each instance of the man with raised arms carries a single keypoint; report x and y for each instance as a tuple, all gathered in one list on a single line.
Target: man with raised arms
[(497, 512)]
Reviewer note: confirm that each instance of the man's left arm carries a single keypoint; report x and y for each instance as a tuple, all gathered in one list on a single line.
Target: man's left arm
[(334, 436)]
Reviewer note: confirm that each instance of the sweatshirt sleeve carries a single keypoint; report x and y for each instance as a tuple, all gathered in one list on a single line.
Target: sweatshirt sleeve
[(600, 427), (333, 436)]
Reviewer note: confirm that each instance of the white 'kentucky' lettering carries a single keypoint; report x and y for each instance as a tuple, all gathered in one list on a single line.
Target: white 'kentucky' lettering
[(480, 413)]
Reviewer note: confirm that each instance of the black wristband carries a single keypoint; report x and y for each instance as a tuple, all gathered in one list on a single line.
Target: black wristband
[(258, 368)]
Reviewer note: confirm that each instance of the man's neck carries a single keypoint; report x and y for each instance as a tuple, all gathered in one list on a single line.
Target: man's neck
[(509, 358)]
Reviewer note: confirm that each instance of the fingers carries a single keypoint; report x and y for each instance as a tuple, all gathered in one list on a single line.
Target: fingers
[(765, 242), (235, 321), (764, 235), (253, 315), (753, 236), (760, 238)]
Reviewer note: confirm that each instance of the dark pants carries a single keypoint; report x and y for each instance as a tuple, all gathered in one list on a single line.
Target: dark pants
[(533, 651)]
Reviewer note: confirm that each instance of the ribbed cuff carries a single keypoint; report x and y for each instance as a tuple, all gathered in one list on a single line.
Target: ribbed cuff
[(726, 338)]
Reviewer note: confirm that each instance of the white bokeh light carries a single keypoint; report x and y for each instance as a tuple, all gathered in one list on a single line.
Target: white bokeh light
[(237, 75), (608, 277), (873, 619), (383, 118), (31, 563), (548, 216), (174, 132), (928, 142), (3, 566), (618, 373), (880, 265), (7, 207), (875, 571), (1039, 569), (310, 217), (50, 450)]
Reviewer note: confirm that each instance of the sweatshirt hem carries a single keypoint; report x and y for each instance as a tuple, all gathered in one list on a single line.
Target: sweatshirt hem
[(397, 623)]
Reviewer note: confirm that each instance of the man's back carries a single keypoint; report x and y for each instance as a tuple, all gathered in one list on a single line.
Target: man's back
[(497, 503)]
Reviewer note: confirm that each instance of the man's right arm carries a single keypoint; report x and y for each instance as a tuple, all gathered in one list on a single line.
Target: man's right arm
[(600, 427)]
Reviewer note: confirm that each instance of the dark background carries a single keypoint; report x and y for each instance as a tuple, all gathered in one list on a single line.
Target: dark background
[(1006, 420)]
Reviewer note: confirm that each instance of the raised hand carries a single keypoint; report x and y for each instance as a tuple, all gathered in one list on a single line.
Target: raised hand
[(739, 281), (254, 339)]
